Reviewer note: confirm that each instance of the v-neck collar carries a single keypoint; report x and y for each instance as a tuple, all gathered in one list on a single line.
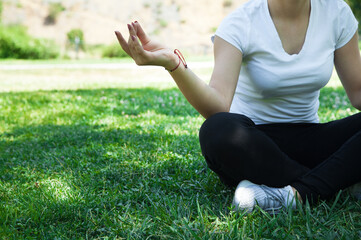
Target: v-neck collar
[(277, 37)]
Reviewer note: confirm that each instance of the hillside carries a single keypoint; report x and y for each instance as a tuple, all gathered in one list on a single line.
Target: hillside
[(184, 24)]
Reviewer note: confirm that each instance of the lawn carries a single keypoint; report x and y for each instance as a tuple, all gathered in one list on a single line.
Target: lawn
[(102, 155)]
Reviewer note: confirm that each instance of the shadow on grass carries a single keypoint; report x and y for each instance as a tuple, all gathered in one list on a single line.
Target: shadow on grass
[(67, 172), (107, 181)]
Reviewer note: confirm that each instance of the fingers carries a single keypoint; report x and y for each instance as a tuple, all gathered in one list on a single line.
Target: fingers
[(135, 27), (143, 37), (133, 46), (139, 55), (123, 43), (132, 31)]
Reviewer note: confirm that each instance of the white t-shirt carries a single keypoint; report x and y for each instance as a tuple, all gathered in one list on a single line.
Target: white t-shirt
[(274, 86)]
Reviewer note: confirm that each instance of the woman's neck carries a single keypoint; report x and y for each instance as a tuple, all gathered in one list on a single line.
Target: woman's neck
[(289, 9)]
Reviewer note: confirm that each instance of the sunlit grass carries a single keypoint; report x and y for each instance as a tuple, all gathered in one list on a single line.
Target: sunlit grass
[(119, 159)]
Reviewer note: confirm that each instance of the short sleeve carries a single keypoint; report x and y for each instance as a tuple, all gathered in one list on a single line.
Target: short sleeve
[(235, 29), (347, 25)]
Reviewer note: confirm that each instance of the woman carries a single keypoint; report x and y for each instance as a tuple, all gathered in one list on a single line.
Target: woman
[(261, 132)]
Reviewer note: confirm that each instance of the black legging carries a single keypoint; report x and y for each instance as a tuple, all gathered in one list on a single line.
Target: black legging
[(317, 159)]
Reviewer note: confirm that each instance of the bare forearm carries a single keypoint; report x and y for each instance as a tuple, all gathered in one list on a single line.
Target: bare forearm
[(355, 98), (205, 99)]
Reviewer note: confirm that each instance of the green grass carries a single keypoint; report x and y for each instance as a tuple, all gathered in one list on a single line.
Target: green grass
[(125, 163)]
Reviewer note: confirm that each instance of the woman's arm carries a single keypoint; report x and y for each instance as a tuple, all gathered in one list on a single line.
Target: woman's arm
[(348, 66), (218, 94), (207, 99)]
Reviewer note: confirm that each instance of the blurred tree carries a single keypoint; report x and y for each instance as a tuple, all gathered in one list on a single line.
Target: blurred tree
[(76, 38)]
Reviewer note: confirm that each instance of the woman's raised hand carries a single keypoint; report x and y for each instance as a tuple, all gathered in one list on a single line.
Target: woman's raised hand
[(145, 51)]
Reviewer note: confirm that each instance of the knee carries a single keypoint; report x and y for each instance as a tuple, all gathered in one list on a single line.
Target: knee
[(220, 130), (211, 124), (210, 129), (223, 138)]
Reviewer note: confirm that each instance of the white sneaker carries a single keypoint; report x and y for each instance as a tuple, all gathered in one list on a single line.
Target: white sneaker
[(355, 190), (248, 195)]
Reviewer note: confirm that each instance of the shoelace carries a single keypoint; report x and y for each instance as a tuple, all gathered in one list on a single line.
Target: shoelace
[(273, 199)]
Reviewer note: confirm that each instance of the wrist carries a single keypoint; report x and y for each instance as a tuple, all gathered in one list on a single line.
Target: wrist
[(177, 57), (173, 62)]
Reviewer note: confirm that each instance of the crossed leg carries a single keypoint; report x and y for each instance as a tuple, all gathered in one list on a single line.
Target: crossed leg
[(316, 159)]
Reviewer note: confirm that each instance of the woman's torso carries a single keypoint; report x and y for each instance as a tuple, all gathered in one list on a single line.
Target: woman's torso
[(275, 86)]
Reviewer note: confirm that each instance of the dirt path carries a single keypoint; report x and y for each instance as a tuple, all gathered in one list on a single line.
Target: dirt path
[(34, 77), (193, 65)]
